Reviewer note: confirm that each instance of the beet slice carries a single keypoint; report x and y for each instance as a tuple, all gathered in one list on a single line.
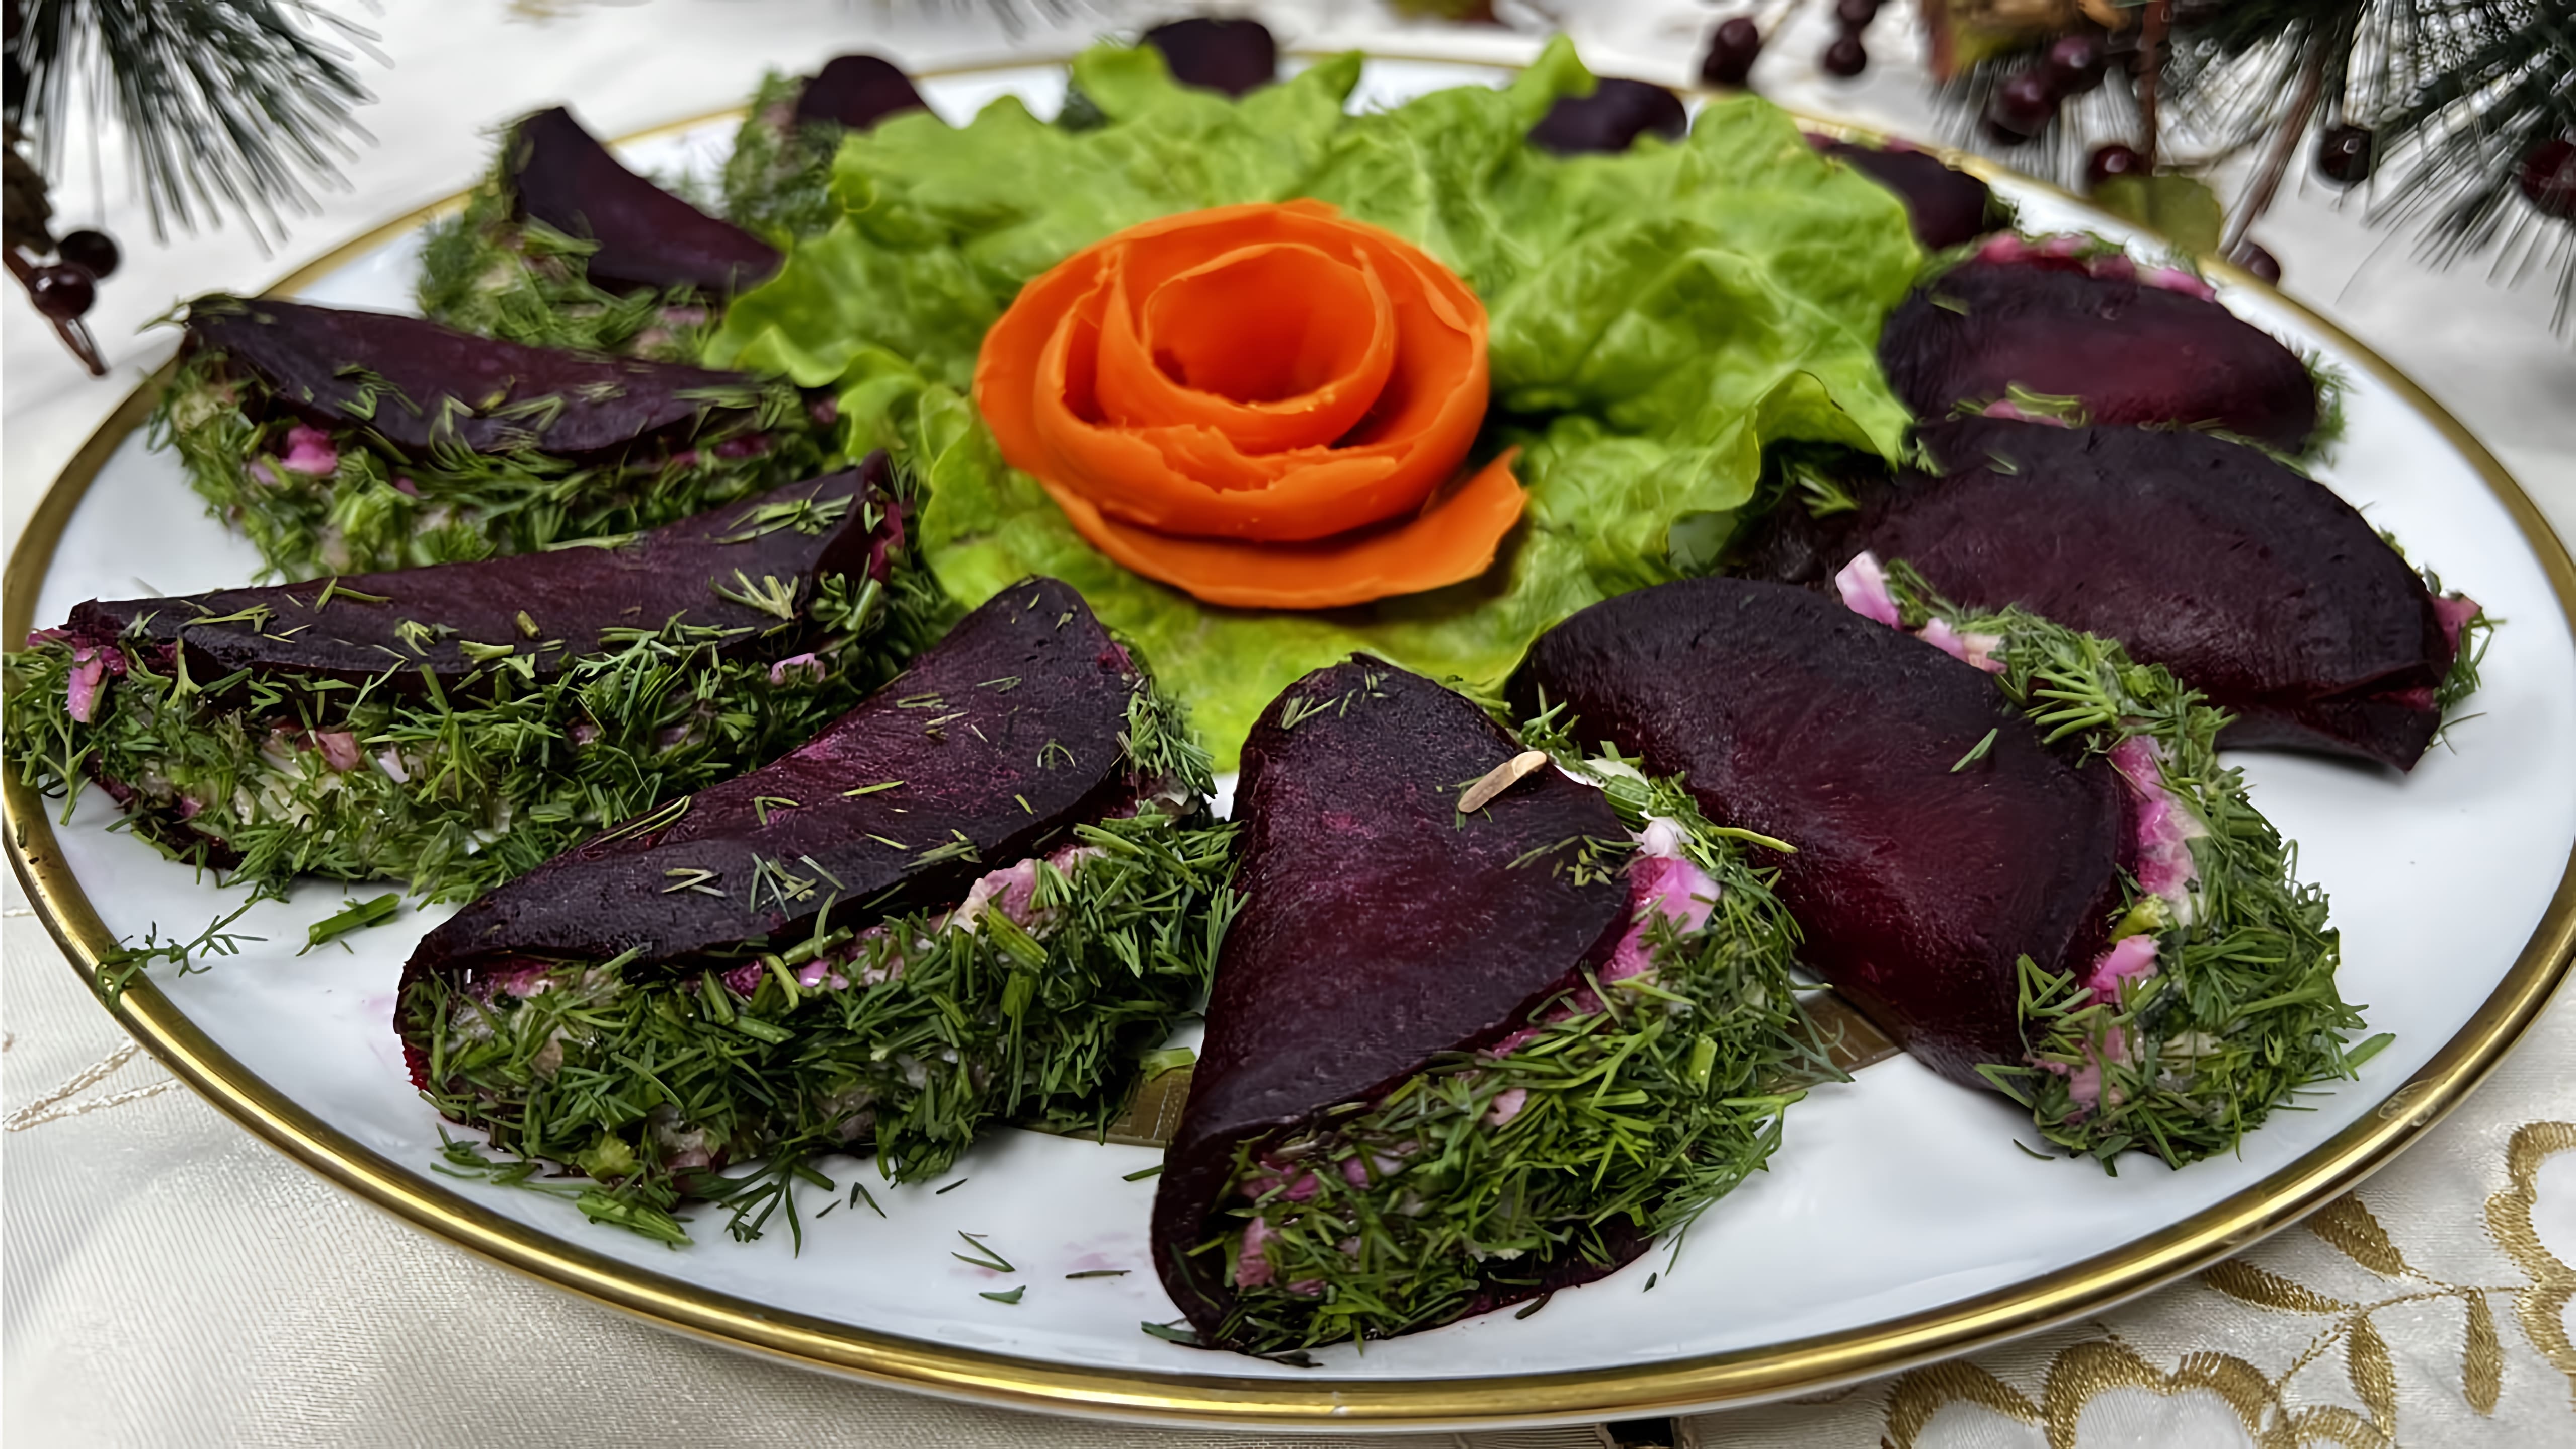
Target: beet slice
[(572, 597), (416, 383), (2102, 332), (1233, 56), (1003, 735), (857, 91), (1610, 119), (1918, 879), (1378, 929), (560, 175), (1948, 207), (2256, 586)]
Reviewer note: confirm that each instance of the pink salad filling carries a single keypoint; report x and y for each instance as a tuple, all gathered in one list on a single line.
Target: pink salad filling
[(309, 451), (1012, 890), (339, 749), (2010, 412), (1863, 585), (2110, 266), (806, 662), (91, 668), (2165, 828), (2453, 612)]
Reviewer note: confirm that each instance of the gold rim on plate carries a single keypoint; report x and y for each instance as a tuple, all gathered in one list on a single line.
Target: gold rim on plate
[(1710, 1381)]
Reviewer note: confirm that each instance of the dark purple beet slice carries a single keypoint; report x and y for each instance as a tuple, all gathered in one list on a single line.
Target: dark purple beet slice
[(1378, 928), (1233, 56), (572, 596), (1610, 119), (2132, 351), (857, 91), (562, 176), (1918, 881), (415, 382), (1004, 735), (2256, 586), (1948, 207)]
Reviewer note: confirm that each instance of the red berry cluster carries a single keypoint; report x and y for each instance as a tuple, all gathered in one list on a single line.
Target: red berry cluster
[(1732, 49), (1845, 57), (2027, 101)]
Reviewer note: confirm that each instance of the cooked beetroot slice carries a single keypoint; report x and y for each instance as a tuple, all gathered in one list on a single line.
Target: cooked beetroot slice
[(1948, 207), (1233, 56), (857, 91), (562, 176), (1004, 735), (2134, 353), (1917, 880), (2256, 586), (1379, 928), (572, 596), (415, 382), (1610, 119)]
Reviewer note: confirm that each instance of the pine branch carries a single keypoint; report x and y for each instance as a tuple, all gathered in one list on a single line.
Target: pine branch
[(232, 106)]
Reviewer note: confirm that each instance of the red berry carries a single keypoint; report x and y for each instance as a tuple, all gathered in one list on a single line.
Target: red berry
[(2112, 160), (62, 291), (2547, 176), (1732, 49), (2021, 107), (92, 251), (2258, 261), (1855, 15), (2343, 155), (1846, 57), (2075, 64)]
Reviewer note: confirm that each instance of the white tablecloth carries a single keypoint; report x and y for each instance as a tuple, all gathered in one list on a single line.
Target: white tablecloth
[(167, 1280)]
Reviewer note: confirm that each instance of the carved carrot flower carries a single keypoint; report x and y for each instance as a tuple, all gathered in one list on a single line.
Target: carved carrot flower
[(1264, 405)]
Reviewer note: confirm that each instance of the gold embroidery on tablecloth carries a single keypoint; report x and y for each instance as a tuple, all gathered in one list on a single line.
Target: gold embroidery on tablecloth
[(2083, 1370), (2078, 1373), (2542, 1306), (1926, 1391), (52, 1107)]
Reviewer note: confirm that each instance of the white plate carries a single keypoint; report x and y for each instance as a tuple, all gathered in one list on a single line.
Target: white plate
[(1898, 1221)]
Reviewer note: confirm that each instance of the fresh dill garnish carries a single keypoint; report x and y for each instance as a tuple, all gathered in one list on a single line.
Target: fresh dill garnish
[(1978, 750), (1012, 1296), (1097, 1273), (952, 1187), (355, 916), (982, 1255), (118, 968), (1142, 1173)]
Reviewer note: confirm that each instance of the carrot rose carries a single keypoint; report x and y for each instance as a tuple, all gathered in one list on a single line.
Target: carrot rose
[(1264, 405)]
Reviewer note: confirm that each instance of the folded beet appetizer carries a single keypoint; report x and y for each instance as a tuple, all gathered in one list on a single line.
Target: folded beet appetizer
[(2255, 585), (457, 725), (778, 181), (340, 441), (1610, 119), (563, 246), (1948, 208), (2015, 848), (1464, 1048), (2073, 327), (977, 897)]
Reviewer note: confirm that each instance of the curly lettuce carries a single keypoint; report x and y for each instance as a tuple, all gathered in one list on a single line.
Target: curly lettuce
[(1658, 318)]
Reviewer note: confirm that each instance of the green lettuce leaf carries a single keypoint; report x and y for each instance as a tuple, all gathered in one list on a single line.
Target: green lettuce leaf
[(1658, 319)]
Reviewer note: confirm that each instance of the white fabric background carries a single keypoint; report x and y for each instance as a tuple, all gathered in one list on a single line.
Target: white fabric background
[(167, 1280)]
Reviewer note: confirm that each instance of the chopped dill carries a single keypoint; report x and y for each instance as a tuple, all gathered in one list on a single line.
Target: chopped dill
[(355, 916)]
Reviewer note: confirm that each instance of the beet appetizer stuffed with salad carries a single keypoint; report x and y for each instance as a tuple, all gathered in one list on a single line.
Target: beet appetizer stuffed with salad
[(563, 246), (2071, 327), (339, 441), (978, 897), (1479, 1032), (2254, 584), (458, 724), (2016, 849)]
